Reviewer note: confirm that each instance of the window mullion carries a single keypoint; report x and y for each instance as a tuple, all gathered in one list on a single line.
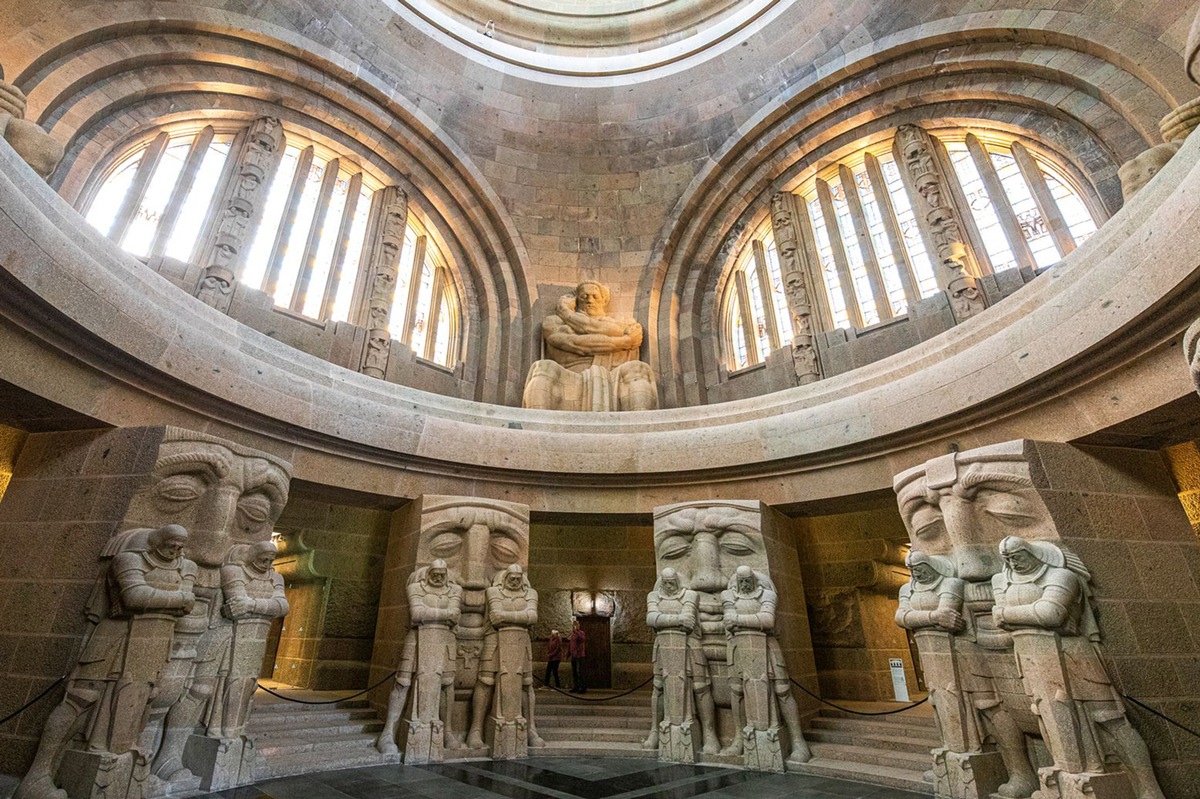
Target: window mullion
[(743, 298), (338, 266), (887, 210), (137, 191), (308, 261), (414, 291), (1047, 205), (862, 231), (435, 312), (840, 259), (764, 288), (999, 197), (303, 167), (187, 178)]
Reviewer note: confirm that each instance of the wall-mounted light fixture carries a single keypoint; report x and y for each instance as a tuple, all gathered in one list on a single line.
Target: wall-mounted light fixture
[(592, 603)]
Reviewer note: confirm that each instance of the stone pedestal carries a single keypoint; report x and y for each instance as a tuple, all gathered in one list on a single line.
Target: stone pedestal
[(219, 763), (967, 776), (1062, 785), (100, 775)]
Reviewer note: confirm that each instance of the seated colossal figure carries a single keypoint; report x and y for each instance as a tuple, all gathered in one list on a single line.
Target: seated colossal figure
[(591, 359), (147, 586), (1043, 598), (429, 653)]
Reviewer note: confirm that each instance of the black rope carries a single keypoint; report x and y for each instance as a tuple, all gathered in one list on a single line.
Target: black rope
[(33, 701), (858, 712), (594, 699), (1162, 716), (328, 701)]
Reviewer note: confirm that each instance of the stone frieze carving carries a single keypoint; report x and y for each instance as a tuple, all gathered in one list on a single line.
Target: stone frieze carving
[(381, 285), (796, 286)]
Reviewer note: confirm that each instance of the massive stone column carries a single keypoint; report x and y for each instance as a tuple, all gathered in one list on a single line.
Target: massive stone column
[(705, 543), (797, 284), (136, 481), (478, 539), (934, 207), (1097, 616), (222, 253), (386, 240)]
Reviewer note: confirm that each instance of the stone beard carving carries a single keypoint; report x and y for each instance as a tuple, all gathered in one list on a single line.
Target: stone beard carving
[(34, 145), (1135, 174), (1043, 597), (145, 585), (478, 539), (762, 692), (256, 163), (506, 668), (958, 509), (227, 496), (254, 597), (917, 156), (429, 653), (385, 261), (705, 543), (592, 359), (795, 287), (672, 611)]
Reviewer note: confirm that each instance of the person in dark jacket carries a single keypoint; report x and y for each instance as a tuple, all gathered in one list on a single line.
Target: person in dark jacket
[(577, 650), (554, 653)]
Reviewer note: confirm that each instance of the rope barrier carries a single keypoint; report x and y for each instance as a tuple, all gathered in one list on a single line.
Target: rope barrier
[(858, 712), (596, 699), (1162, 716), (33, 701), (327, 701)]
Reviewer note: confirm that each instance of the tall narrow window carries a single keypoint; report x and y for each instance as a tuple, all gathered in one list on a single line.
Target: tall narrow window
[(758, 322)]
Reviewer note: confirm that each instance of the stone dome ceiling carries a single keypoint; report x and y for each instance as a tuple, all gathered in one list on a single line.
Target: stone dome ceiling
[(590, 37)]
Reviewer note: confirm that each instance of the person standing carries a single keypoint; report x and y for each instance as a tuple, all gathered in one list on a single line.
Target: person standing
[(554, 652), (577, 650)]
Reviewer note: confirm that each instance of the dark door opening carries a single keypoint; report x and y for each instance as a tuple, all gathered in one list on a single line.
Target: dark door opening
[(597, 665)]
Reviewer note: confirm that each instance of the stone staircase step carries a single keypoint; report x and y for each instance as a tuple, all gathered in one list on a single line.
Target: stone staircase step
[(320, 743), (624, 722), (309, 762), (866, 772), (920, 731), (306, 719), (593, 749), (264, 734), (922, 715), (544, 709), (879, 757), (899, 743), (567, 734)]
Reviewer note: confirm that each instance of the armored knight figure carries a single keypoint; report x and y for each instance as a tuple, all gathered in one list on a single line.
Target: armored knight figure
[(430, 653), (762, 693), (506, 667), (147, 586), (672, 612), (254, 597), (1043, 598), (591, 359)]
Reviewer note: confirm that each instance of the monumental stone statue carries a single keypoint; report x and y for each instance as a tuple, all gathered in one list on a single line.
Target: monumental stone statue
[(430, 653), (672, 612), (762, 692), (1043, 598), (506, 668), (254, 598), (591, 359), (1137, 172), (34, 145), (142, 590)]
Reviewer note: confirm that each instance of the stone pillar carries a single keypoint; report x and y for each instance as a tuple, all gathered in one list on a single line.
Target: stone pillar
[(705, 543), (33, 144), (939, 220), (1114, 515), (478, 539), (386, 240), (798, 282), (241, 208), (104, 491)]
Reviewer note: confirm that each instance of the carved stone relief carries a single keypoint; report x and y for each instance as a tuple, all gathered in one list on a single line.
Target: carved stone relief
[(788, 243), (223, 251), (592, 359), (381, 276), (982, 544)]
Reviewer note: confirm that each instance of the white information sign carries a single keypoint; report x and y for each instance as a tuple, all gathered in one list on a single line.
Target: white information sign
[(899, 681)]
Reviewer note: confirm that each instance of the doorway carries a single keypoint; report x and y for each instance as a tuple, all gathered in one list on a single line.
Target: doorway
[(597, 664)]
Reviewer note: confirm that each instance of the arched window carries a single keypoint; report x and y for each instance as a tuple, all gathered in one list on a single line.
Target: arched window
[(757, 320), (309, 244), (868, 239)]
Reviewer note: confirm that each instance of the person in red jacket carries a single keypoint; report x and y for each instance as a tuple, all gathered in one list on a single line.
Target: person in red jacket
[(554, 653), (577, 649)]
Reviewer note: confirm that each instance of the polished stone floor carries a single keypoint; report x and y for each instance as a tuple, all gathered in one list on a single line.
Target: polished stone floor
[(558, 778)]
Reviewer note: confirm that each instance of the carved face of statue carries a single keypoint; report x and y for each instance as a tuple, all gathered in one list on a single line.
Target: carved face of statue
[(168, 542), (476, 540), (589, 299), (262, 556), (924, 573), (436, 577), (1021, 561), (705, 543), (221, 494), (670, 582), (514, 578), (746, 582), (966, 504)]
